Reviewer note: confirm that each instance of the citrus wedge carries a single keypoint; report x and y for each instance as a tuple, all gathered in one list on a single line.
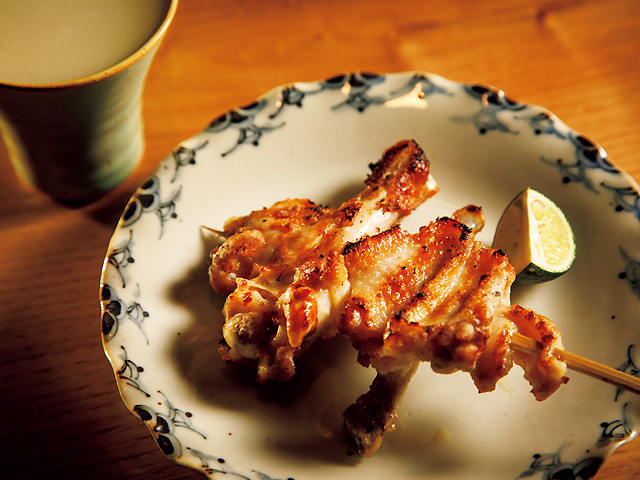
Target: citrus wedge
[(537, 238)]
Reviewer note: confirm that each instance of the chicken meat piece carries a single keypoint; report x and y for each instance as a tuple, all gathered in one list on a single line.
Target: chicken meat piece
[(436, 296), (282, 267)]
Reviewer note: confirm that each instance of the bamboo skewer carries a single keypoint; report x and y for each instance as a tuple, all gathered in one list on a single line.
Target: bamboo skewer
[(582, 365)]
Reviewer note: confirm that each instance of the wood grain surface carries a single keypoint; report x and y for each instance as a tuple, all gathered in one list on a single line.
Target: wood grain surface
[(62, 417)]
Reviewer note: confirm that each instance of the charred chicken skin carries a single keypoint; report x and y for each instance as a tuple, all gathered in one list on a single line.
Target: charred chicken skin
[(297, 271)]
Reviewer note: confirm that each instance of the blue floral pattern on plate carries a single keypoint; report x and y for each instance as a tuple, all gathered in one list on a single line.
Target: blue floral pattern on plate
[(160, 319)]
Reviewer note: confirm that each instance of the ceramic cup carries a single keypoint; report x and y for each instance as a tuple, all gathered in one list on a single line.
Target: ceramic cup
[(77, 139)]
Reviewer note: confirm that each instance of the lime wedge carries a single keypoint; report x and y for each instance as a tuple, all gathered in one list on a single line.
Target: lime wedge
[(537, 238)]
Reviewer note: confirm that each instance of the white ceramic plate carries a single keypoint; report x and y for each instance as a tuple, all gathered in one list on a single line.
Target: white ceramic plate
[(161, 320)]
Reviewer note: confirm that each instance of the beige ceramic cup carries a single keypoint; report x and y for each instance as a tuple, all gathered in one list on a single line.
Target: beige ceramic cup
[(76, 140)]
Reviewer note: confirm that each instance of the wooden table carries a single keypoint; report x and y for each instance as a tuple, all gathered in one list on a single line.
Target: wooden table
[(62, 417)]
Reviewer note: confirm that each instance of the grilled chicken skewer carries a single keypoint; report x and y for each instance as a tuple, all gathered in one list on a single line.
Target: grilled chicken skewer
[(297, 271)]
